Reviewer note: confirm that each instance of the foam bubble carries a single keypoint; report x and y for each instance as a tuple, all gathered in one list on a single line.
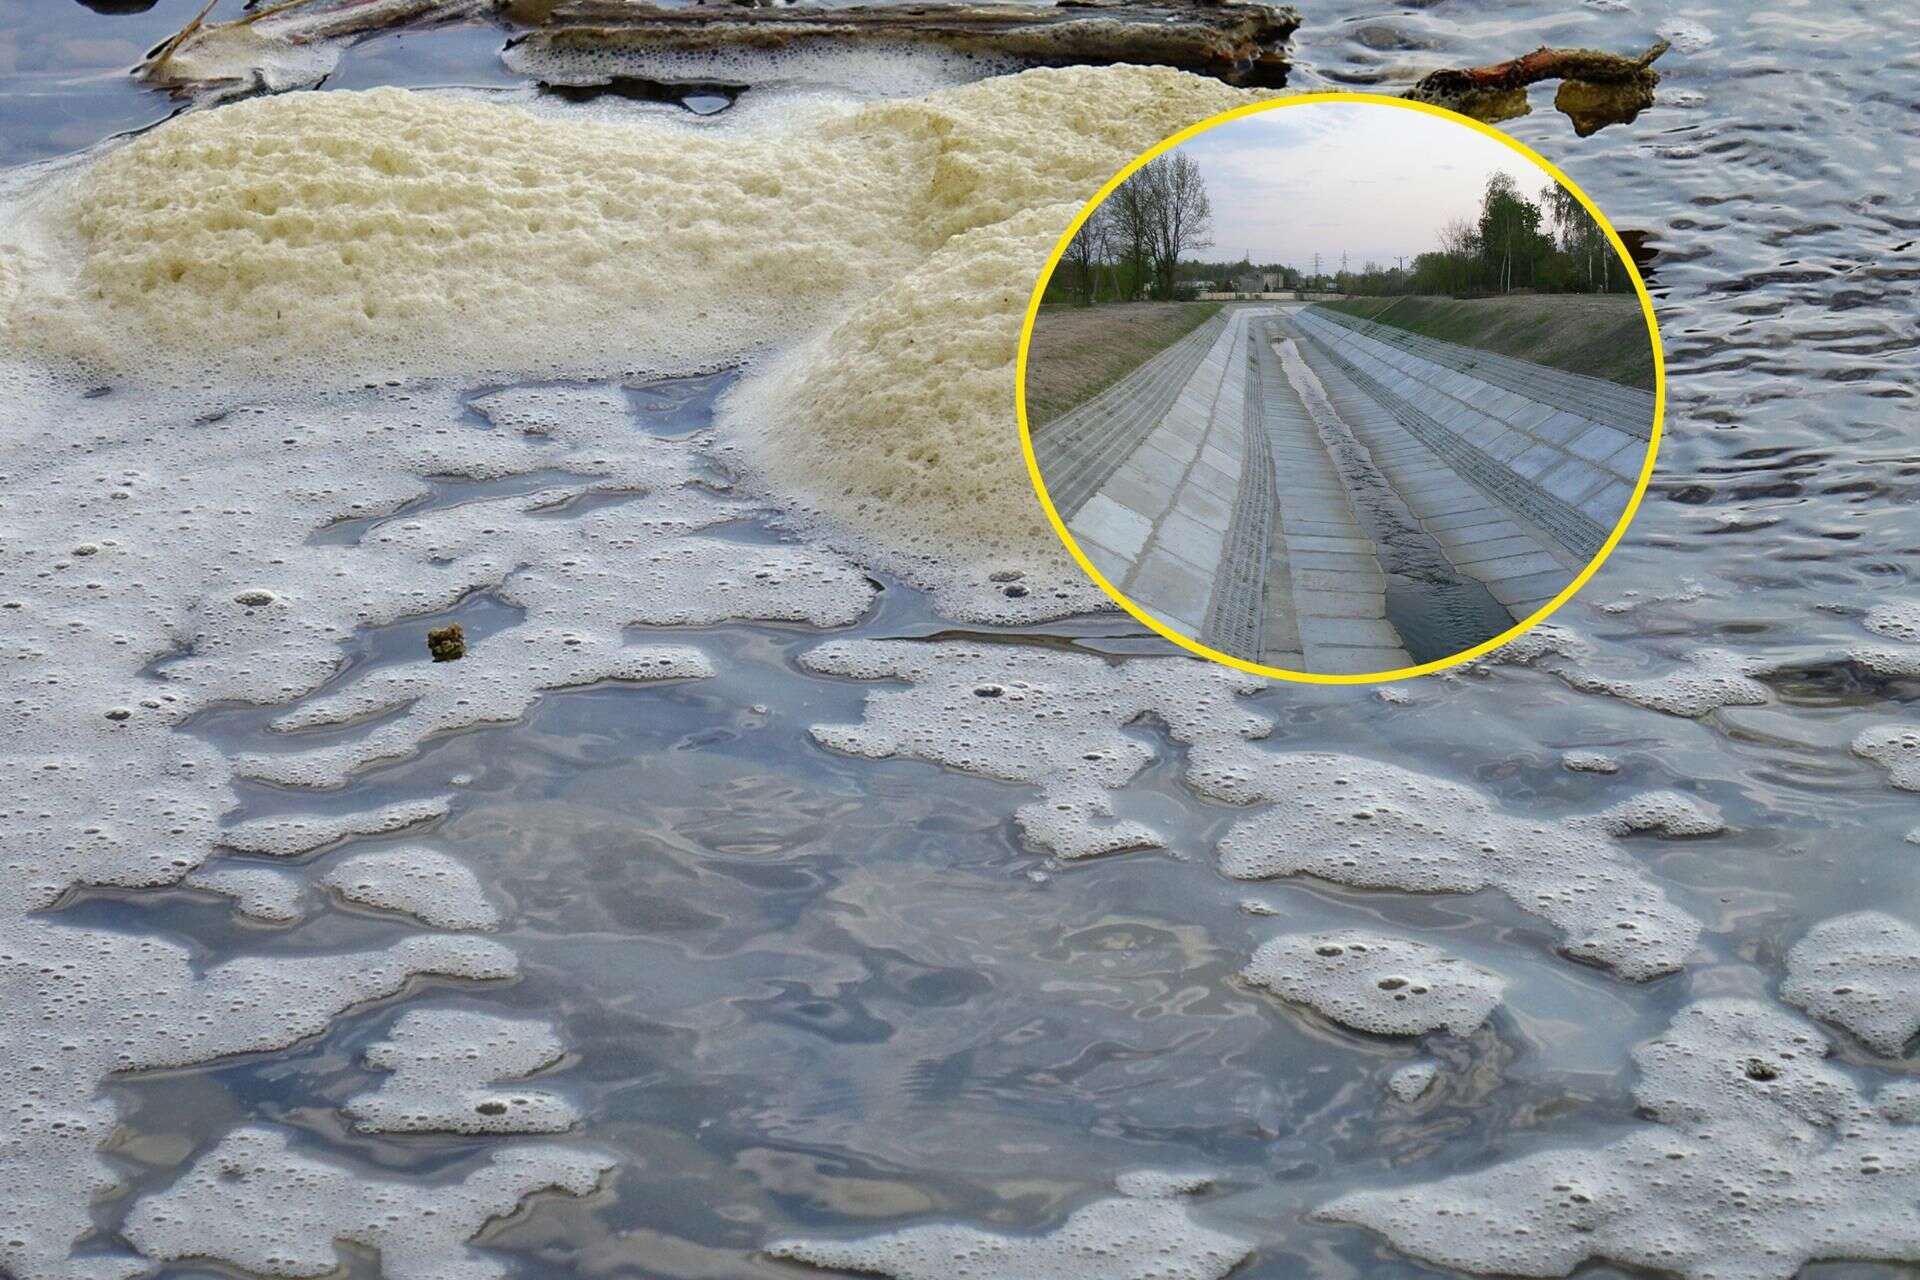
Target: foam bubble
[(1895, 748), (444, 1063), (1861, 971), (1667, 813), (1370, 982), (1410, 1083), (1359, 822), (1056, 721), (255, 1202), (1145, 1233), (332, 237), (1589, 762), (1762, 1158), (260, 892), (426, 884)]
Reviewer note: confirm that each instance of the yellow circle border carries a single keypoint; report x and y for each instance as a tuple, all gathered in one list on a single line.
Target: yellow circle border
[(1375, 677)]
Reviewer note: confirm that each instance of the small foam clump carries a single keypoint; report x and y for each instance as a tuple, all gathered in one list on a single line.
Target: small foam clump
[(1410, 1083), (1705, 681), (1762, 1158), (1895, 748), (1862, 972), (290, 835), (1145, 1233), (256, 1203), (1589, 762), (1358, 822), (443, 1063), (428, 885), (260, 893), (1900, 621), (1386, 986), (1055, 721), (1669, 813)]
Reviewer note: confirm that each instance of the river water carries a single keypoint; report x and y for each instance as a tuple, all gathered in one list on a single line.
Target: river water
[(806, 993)]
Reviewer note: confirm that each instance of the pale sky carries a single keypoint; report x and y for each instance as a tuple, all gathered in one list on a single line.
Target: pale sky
[(1376, 181)]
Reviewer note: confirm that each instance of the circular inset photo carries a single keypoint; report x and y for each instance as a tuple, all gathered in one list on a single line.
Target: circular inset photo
[(1340, 388)]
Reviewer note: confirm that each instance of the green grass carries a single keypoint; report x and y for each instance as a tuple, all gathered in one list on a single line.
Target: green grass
[(1601, 336), (1078, 352)]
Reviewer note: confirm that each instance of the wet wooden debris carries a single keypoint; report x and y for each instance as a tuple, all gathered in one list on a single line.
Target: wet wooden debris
[(1596, 88), (1238, 41)]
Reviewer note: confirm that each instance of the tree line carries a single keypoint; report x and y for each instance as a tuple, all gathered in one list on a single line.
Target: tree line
[(1131, 246), (1552, 245)]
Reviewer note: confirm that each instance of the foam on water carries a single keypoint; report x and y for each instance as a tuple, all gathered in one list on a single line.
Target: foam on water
[(333, 237), (1374, 983), (428, 885), (1410, 1083), (260, 893), (445, 1063), (1762, 1158), (1363, 823), (1145, 1233), (1861, 972), (258, 1203), (1052, 720)]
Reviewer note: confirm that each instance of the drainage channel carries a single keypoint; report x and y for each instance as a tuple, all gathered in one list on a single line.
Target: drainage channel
[(1436, 610)]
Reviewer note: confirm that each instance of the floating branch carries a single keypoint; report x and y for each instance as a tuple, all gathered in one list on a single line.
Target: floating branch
[(280, 46), (1596, 88)]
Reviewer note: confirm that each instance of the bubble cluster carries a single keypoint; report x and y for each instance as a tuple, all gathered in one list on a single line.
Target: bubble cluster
[(1056, 721), (1145, 1233), (1359, 822), (1373, 983), (1410, 1083), (1761, 1158), (444, 1064), (1861, 972), (432, 887), (256, 1202), (341, 236)]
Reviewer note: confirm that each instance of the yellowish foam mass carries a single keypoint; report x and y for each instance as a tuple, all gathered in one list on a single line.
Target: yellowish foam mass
[(887, 249)]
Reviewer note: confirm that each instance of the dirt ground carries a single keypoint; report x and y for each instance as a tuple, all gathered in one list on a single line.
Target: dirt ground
[(1599, 335), (1078, 352)]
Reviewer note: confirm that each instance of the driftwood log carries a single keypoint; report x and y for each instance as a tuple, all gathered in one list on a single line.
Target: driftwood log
[(282, 44), (1242, 42)]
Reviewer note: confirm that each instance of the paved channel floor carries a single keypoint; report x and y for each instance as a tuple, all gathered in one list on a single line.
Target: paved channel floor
[(1202, 490)]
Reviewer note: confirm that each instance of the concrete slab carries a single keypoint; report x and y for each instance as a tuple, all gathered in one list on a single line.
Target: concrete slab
[(1112, 525)]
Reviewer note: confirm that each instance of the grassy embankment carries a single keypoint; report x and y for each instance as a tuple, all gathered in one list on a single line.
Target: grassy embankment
[(1599, 335), (1078, 352)]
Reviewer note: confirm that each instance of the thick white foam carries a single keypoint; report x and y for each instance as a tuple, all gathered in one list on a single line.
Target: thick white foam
[(426, 884), (1052, 720), (445, 1063), (1861, 972), (1371, 982), (886, 248), (1762, 1158), (257, 1203), (1145, 1233), (1358, 822)]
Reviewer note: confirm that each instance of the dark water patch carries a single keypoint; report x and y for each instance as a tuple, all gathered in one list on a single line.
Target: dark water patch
[(1437, 610)]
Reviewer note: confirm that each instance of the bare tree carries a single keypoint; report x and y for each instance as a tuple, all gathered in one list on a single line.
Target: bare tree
[(1131, 212), (1459, 242), (1086, 251), (1182, 216)]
